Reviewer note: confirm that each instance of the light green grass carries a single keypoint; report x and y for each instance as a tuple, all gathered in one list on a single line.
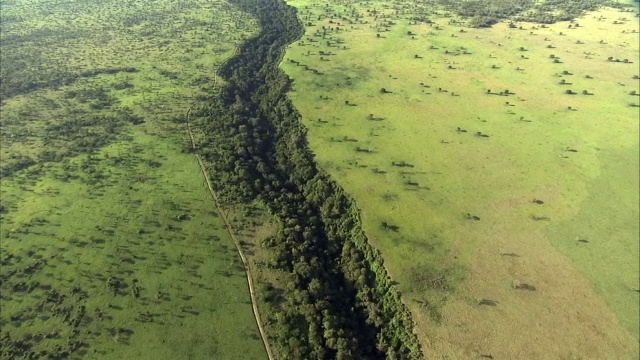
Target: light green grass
[(437, 254)]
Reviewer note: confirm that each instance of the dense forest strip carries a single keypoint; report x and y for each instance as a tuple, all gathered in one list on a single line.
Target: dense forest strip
[(227, 225), (338, 301)]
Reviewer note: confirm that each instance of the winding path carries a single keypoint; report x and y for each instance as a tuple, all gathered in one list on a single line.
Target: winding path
[(245, 263)]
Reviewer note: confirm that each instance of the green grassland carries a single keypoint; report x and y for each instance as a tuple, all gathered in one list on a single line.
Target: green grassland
[(504, 205), (111, 245)]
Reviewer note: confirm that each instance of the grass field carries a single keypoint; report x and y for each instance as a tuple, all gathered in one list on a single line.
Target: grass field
[(111, 245), (505, 206)]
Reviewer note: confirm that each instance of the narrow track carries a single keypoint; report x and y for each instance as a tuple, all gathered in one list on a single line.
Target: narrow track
[(245, 263)]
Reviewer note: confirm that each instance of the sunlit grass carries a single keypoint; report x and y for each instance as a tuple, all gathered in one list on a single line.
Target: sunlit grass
[(542, 144), (116, 250)]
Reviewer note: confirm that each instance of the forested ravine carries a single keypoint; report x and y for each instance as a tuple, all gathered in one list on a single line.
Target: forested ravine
[(338, 302)]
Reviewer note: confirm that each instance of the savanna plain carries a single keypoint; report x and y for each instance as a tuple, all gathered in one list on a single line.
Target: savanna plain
[(495, 168), (111, 245), (450, 180)]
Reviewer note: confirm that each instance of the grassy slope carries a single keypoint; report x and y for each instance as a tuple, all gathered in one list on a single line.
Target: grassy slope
[(495, 178), (136, 211)]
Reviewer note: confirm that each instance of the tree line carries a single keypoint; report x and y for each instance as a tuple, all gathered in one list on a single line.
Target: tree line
[(338, 301), (484, 13)]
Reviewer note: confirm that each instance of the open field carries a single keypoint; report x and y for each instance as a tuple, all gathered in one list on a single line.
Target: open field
[(496, 169), (111, 246)]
